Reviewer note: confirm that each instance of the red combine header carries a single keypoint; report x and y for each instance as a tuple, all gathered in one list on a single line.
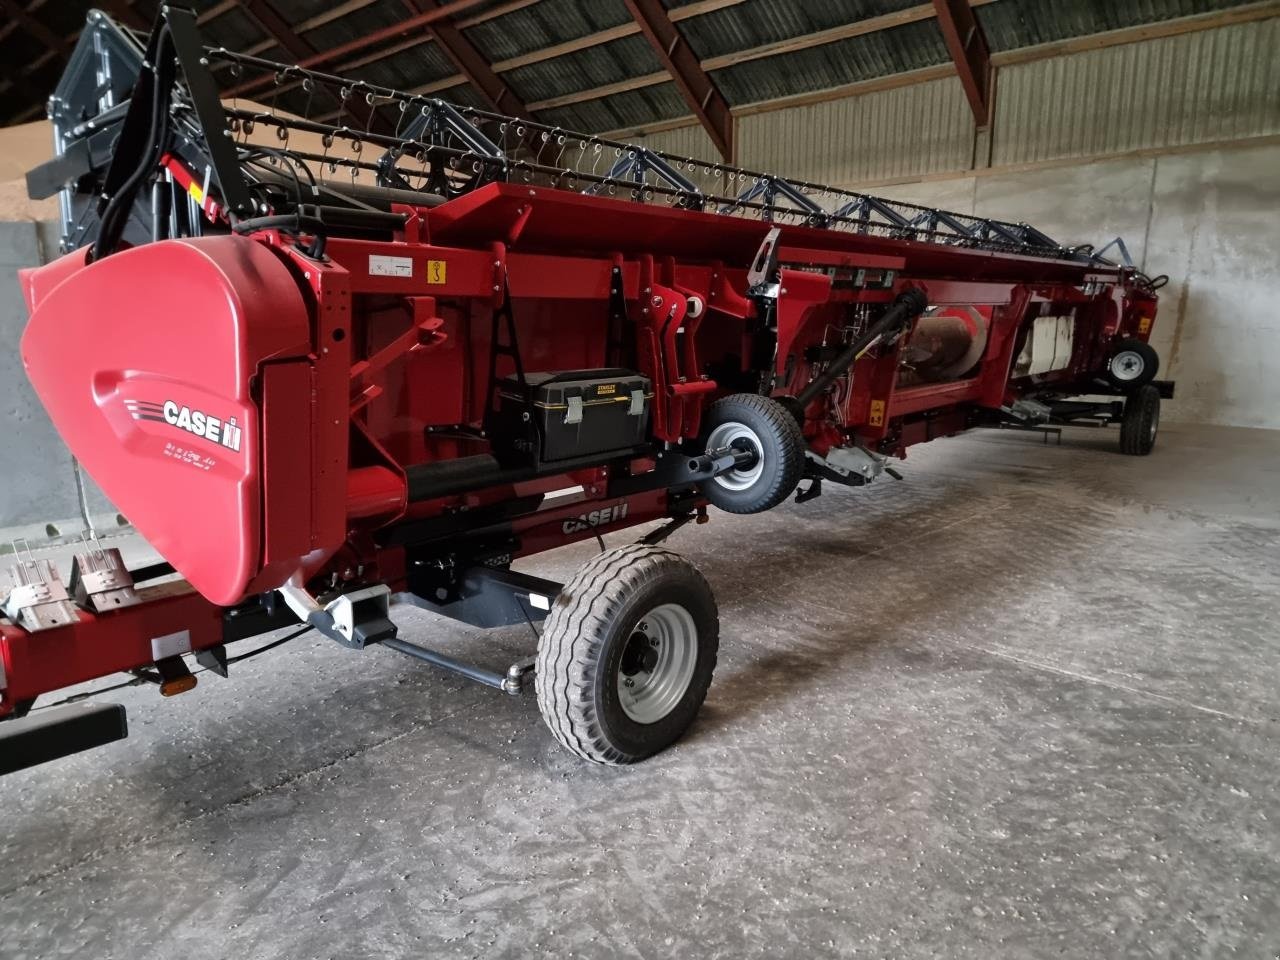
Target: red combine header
[(327, 366)]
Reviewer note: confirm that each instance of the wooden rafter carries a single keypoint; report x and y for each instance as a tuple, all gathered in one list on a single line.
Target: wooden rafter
[(410, 25), (35, 27), (967, 45), (470, 62), (913, 14), (1247, 13), (270, 20), (679, 60)]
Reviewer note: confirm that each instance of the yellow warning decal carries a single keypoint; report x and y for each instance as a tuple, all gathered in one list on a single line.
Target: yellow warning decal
[(436, 271), (1144, 325), (876, 419)]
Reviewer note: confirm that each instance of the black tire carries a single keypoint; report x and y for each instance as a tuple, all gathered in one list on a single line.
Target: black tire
[(1133, 364), (750, 421), (1140, 422), (594, 636)]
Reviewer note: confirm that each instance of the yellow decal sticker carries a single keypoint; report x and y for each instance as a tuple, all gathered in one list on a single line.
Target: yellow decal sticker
[(877, 413), (1144, 325), (604, 388), (436, 271)]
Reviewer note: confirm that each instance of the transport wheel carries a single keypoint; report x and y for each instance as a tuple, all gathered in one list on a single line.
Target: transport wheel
[(765, 427), (1140, 422), (1133, 364), (626, 655)]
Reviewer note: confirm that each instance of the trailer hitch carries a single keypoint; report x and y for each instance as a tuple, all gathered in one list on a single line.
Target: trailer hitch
[(355, 620), (851, 466)]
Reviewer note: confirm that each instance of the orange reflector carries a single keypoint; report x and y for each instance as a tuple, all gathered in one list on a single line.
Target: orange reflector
[(171, 688)]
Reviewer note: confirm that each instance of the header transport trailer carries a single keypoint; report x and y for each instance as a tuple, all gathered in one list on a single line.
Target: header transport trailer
[(374, 348)]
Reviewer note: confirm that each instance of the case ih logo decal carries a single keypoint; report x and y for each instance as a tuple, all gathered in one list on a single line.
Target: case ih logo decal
[(596, 518), (193, 421)]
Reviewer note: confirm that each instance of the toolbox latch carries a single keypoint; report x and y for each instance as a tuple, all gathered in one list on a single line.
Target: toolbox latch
[(574, 413), (637, 408)]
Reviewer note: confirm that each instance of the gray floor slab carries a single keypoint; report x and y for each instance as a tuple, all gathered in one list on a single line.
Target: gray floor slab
[(1023, 704)]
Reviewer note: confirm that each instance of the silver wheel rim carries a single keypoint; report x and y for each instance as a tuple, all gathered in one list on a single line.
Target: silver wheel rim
[(657, 663), (725, 435), (1127, 366)]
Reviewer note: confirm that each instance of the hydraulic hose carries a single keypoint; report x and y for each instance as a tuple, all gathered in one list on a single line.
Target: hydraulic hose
[(908, 305)]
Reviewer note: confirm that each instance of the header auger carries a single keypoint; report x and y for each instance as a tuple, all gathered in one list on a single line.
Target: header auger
[(343, 347)]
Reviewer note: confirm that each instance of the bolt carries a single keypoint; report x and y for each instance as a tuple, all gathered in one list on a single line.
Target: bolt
[(657, 301), (628, 682)]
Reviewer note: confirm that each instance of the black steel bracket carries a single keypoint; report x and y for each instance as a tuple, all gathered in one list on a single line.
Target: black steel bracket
[(59, 732)]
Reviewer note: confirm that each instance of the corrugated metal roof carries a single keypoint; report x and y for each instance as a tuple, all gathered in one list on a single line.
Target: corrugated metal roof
[(234, 30), (465, 95), (633, 109), (64, 17), (584, 70), (384, 13), (897, 50), (721, 33), (1010, 24), (544, 24), (758, 22), (408, 69)]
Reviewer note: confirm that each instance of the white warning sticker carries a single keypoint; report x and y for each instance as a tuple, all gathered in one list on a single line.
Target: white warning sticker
[(380, 266)]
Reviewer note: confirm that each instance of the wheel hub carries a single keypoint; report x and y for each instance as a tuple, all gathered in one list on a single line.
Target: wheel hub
[(1127, 365), (640, 655), (740, 437), (657, 663)]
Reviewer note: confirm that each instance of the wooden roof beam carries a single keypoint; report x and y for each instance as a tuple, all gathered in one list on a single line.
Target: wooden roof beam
[(697, 88), (970, 53), (470, 62), (392, 33), (274, 25), (35, 27)]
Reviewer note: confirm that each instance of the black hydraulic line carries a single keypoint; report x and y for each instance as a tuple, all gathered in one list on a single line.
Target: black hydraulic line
[(315, 218), (161, 194), (909, 304), (137, 152)]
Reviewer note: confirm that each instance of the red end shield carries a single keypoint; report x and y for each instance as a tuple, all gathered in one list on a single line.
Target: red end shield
[(148, 364)]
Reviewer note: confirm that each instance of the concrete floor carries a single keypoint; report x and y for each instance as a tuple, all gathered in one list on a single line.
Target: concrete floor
[(1022, 704)]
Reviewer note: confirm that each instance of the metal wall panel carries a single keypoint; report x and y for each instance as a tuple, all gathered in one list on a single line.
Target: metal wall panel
[(1221, 84), (691, 142), (911, 131)]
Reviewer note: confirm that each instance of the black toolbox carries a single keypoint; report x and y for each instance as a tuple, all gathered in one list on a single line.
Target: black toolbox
[(569, 415)]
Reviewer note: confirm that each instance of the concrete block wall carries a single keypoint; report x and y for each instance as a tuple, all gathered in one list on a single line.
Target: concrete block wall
[(1207, 219)]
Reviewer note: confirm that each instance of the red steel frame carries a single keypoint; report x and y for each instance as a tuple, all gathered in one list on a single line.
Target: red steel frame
[(390, 355)]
